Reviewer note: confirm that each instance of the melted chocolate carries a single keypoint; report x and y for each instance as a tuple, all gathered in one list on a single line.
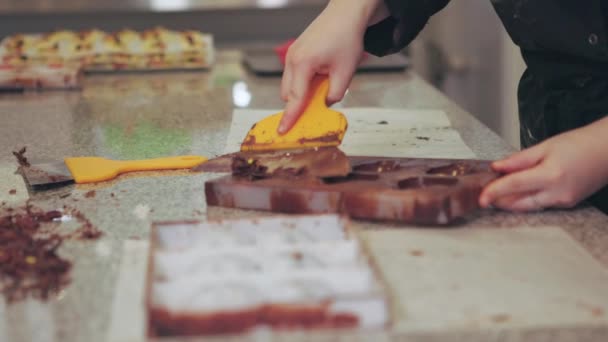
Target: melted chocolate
[(379, 166), (457, 169), (422, 182), (248, 168), (328, 138), (438, 191)]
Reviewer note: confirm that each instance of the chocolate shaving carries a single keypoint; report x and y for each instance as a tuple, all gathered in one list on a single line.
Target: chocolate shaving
[(87, 230), (248, 168), (29, 263), (21, 159)]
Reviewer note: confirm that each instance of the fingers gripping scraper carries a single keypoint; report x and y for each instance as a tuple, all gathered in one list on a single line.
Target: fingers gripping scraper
[(318, 126)]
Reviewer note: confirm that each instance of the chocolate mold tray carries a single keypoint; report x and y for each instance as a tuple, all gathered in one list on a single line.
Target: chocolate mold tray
[(423, 191), (236, 276)]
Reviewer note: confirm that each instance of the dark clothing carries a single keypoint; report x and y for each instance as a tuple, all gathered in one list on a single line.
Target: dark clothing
[(564, 44)]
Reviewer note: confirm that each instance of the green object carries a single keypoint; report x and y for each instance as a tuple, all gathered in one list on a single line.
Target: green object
[(145, 140)]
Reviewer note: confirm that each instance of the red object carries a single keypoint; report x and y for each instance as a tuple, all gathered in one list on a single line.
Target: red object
[(281, 50)]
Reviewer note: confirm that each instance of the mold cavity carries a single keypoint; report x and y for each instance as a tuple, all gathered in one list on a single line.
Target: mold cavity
[(379, 166), (452, 170), (421, 182), (351, 178)]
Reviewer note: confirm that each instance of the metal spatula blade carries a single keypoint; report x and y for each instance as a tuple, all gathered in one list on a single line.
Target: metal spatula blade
[(46, 176)]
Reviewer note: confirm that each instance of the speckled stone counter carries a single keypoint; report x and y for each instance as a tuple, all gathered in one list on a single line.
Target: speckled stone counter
[(159, 114)]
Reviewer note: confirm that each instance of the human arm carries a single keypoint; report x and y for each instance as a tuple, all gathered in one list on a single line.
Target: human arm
[(333, 44)]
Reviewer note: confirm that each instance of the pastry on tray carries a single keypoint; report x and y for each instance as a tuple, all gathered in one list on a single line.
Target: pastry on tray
[(155, 49), (40, 76)]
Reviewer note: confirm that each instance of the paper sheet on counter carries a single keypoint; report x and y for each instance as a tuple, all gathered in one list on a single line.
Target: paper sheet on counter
[(410, 133)]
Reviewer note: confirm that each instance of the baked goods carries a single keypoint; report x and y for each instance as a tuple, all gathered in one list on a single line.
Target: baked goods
[(40, 76), (424, 191), (157, 48), (235, 276)]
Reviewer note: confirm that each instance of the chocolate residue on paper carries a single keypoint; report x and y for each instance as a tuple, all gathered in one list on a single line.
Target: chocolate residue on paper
[(501, 318), (29, 263), (12, 192), (383, 122), (21, 159), (416, 253), (90, 194), (423, 138)]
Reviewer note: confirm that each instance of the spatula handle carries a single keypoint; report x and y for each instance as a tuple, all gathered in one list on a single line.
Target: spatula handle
[(319, 89), (169, 163)]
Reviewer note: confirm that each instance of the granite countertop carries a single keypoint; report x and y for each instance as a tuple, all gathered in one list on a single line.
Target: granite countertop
[(158, 114), (153, 6)]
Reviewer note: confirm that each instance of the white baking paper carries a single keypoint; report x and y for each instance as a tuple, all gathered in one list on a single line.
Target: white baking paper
[(410, 133)]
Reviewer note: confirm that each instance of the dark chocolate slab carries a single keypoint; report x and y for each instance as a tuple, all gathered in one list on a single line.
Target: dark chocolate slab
[(424, 191)]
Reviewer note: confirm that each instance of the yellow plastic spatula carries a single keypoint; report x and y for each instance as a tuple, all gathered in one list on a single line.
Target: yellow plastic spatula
[(318, 126), (96, 169)]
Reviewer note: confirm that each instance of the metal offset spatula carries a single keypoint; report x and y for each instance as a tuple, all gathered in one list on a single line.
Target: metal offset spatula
[(95, 169)]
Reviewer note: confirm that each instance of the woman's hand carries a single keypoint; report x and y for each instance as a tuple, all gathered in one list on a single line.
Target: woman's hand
[(557, 173), (332, 45)]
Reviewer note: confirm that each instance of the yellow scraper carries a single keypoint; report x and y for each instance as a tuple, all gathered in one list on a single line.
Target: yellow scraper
[(318, 126)]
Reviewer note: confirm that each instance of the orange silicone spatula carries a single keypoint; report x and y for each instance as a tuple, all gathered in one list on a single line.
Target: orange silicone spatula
[(96, 169), (318, 126)]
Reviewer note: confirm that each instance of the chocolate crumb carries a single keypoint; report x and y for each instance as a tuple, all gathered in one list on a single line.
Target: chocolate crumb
[(87, 230), (423, 138), (90, 194), (21, 159), (112, 194), (65, 195), (12, 191), (501, 318), (417, 253), (597, 312), (383, 122)]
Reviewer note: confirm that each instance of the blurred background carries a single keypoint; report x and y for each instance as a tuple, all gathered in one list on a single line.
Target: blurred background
[(464, 51)]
